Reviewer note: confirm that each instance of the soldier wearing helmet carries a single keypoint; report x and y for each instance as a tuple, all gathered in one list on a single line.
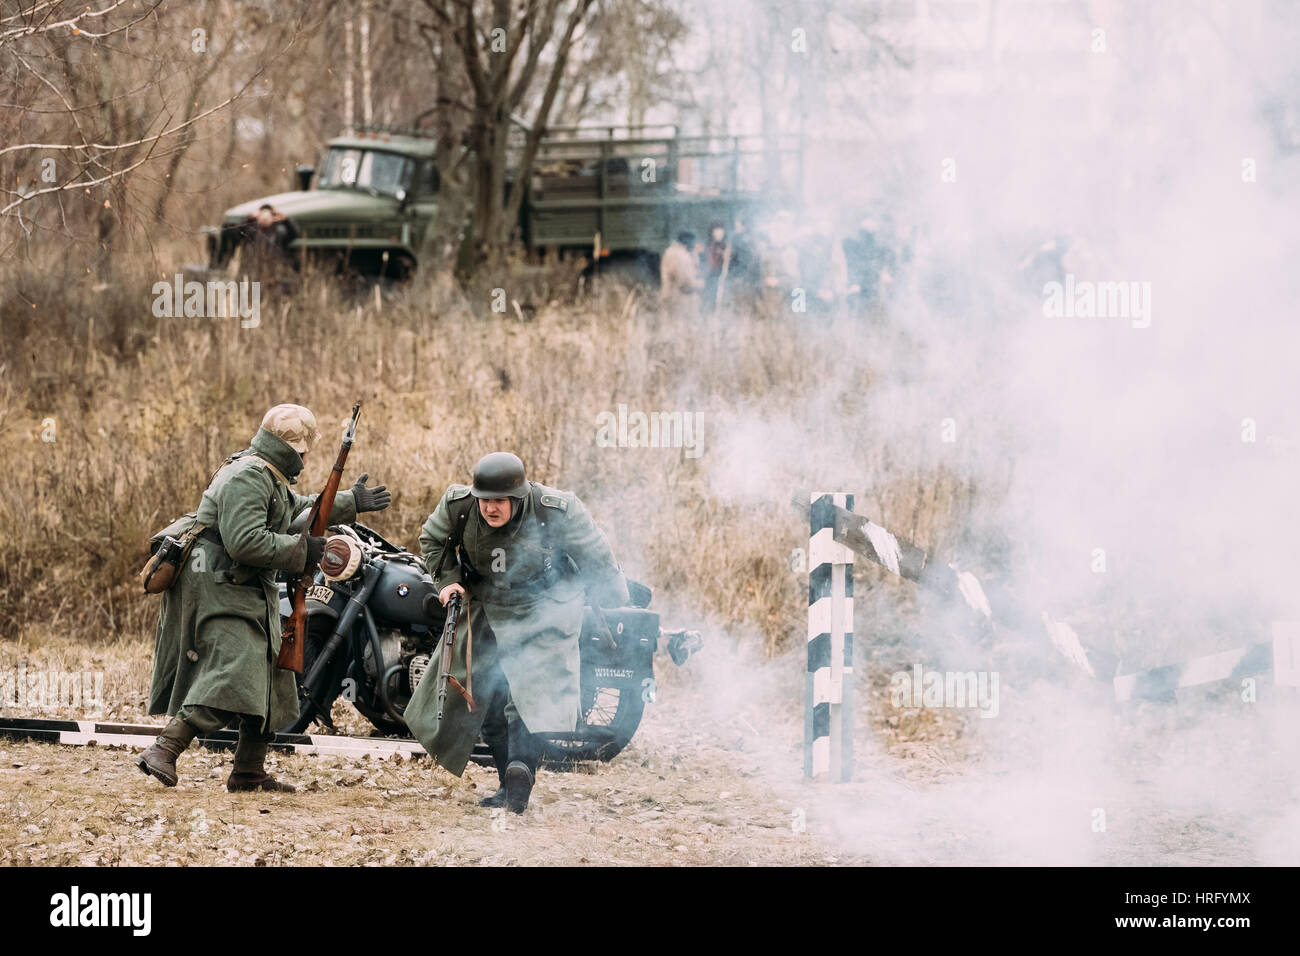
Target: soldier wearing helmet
[(525, 558), (219, 628)]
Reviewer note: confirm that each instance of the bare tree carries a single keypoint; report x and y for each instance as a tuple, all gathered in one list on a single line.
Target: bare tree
[(514, 56), (632, 68), (108, 101)]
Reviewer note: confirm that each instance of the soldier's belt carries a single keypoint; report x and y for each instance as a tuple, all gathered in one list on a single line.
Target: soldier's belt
[(241, 574), (535, 585)]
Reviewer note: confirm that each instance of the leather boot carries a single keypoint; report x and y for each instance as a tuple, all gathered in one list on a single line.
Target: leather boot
[(248, 772), (240, 781), (519, 786), (521, 772), (498, 744), (159, 760)]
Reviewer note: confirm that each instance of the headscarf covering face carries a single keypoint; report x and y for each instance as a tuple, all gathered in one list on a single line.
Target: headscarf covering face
[(294, 425)]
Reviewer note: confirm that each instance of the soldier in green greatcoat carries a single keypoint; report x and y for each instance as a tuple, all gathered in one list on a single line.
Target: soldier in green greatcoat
[(525, 558), (218, 632)]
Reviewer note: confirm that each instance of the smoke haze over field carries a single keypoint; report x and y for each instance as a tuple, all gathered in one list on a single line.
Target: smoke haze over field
[(1131, 439), (1172, 447), (1078, 384)]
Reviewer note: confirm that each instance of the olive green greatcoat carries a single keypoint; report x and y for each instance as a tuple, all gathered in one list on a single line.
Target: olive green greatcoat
[(219, 628), (532, 633)]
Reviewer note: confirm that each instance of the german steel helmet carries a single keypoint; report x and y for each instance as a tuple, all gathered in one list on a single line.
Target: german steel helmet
[(499, 475), (294, 425)]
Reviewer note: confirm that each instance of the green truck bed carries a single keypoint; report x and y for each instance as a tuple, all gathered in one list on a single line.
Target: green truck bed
[(634, 192)]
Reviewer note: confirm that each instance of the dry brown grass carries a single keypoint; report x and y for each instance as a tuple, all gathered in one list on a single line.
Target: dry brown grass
[(143, 408)]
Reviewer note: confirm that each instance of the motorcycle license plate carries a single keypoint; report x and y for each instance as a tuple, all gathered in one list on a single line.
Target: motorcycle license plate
[(320, 592)]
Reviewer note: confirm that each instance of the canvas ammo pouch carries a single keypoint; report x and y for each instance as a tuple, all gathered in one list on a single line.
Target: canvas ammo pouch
[(170, 547)]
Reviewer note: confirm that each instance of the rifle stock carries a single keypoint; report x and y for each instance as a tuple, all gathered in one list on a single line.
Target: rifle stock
[(294, 633)]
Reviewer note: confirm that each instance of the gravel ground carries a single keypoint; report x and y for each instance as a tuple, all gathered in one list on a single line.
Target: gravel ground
[(712, 778)]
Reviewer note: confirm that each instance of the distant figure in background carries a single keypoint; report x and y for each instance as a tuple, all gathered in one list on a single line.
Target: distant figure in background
[(868, 263), (268, 235), (1045, 264), (741, 284), (900, 265), (815, 272), (779, 264), (679, 277), (717, 265)]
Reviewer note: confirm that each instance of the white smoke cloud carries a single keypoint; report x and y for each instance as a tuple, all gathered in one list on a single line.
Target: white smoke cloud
[(1143, 473)]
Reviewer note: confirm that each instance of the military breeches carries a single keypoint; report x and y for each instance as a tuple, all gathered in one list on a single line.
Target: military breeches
[(207, 719)]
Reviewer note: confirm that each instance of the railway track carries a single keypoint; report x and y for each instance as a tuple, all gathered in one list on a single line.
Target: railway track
[(85, 733)]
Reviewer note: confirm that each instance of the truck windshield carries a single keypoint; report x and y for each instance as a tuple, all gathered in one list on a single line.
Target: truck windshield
[(366, 169)]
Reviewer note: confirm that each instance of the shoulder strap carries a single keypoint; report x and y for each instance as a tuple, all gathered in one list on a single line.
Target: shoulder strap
[(546, 500), (217, 470), (459, 509), (539, 500), (275, 471), (248, 454), (464, 506)]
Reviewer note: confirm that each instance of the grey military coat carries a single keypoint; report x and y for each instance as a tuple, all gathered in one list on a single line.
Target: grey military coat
[(525, 619)]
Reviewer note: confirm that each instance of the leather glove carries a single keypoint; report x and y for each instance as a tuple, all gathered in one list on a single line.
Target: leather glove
[(315, 548), (370, 499)]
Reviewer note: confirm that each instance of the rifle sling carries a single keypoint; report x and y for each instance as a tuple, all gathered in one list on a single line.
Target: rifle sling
[(467, 691), (462, 689)]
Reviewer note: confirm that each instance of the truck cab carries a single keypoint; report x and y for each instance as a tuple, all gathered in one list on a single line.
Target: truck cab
[(367, 213)]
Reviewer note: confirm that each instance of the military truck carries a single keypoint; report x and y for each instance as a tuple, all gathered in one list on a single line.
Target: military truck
[(368, 210), (600, 192)]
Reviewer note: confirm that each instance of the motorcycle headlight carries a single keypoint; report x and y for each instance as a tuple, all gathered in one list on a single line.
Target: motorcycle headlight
[(341, 559)]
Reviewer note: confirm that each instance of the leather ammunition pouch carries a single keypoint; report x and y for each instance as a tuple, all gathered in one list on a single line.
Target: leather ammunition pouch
[(170, 548)]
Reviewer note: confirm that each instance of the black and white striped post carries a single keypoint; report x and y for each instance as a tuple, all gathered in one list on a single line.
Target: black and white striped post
[(828, 697)]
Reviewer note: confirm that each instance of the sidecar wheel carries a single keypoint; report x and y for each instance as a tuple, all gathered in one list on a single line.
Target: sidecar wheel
[(610, 717)]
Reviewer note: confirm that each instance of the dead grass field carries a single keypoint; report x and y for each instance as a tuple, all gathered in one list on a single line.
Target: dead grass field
[(142, 408), (109, 428), (111, 422)]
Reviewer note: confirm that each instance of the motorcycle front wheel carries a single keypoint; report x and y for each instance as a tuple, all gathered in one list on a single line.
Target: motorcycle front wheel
[(319, 629)]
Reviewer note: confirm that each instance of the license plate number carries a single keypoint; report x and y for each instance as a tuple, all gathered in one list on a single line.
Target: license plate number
[(321, 593)]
